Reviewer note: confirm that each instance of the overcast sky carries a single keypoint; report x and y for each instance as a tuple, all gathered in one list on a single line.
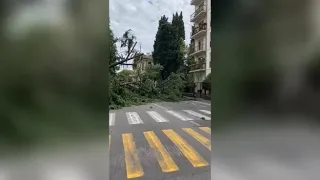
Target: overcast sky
[(142, 16)]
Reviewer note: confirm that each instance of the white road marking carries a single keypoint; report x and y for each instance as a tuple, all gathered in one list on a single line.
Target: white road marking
[(134, 118), (160, 106), (112, 118), (197, 114), (157, 117), (202, 103), (205, 111), (196, 104), (179, 116), (195, 123)]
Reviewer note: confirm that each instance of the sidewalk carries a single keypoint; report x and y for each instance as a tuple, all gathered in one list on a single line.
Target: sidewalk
[(203, 100), (198, 99)]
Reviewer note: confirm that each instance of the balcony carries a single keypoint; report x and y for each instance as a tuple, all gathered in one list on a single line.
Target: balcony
[(198, 67), (198, 49), (196, 2), (201, 60), (199, 14), (199, 31)]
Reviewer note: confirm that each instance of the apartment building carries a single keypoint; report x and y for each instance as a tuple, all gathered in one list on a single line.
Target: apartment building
[(142, 63), (201, 41)]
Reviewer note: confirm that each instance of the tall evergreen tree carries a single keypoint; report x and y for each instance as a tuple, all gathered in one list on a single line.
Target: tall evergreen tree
[(175, 25), (178, 24), (166, 48), (181, 27), (163, 20)]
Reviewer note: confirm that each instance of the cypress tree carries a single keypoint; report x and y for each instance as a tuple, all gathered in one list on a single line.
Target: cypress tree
[(178, 26), (181, 27), (165, 48), (169, 44)]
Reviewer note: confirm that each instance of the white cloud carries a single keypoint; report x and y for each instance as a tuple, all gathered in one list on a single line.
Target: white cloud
[(142, 16)]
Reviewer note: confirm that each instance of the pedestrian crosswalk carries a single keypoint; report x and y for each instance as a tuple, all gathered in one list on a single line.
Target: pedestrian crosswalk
[(179, 116), (166, 116), (165, 152), (206, 129), (134, 118), (203, 140), (197, 114), (166, 161), (206, 111), (133, 166), (190, 153), (157, 117), (111, 118)]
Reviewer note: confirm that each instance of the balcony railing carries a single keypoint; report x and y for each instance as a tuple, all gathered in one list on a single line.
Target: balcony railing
[(201, 27), (198, 11), (199, 47), (198, 66), (201, 60)]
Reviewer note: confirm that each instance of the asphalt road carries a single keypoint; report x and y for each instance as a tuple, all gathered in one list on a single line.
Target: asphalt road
[(155, 150), (161, 141)]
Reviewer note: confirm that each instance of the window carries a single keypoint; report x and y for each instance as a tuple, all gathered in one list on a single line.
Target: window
[(200, 44), (149, 63)]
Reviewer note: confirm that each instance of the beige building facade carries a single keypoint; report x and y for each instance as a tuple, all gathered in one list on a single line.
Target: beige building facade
[(145, 61), (201, 41)]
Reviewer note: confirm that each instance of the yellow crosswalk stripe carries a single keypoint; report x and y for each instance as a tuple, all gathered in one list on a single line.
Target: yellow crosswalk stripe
[(192, 155), (203, 140), (133, 166), (206, 129), (165, 160)]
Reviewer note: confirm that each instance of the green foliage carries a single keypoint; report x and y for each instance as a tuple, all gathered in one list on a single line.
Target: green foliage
[(128, 40), (147, 88), (152, 72), (165, 79), (172, 88), (165, 48), (189, 79), (177, 23), (149, 80), (125, 75), (169, 47)]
